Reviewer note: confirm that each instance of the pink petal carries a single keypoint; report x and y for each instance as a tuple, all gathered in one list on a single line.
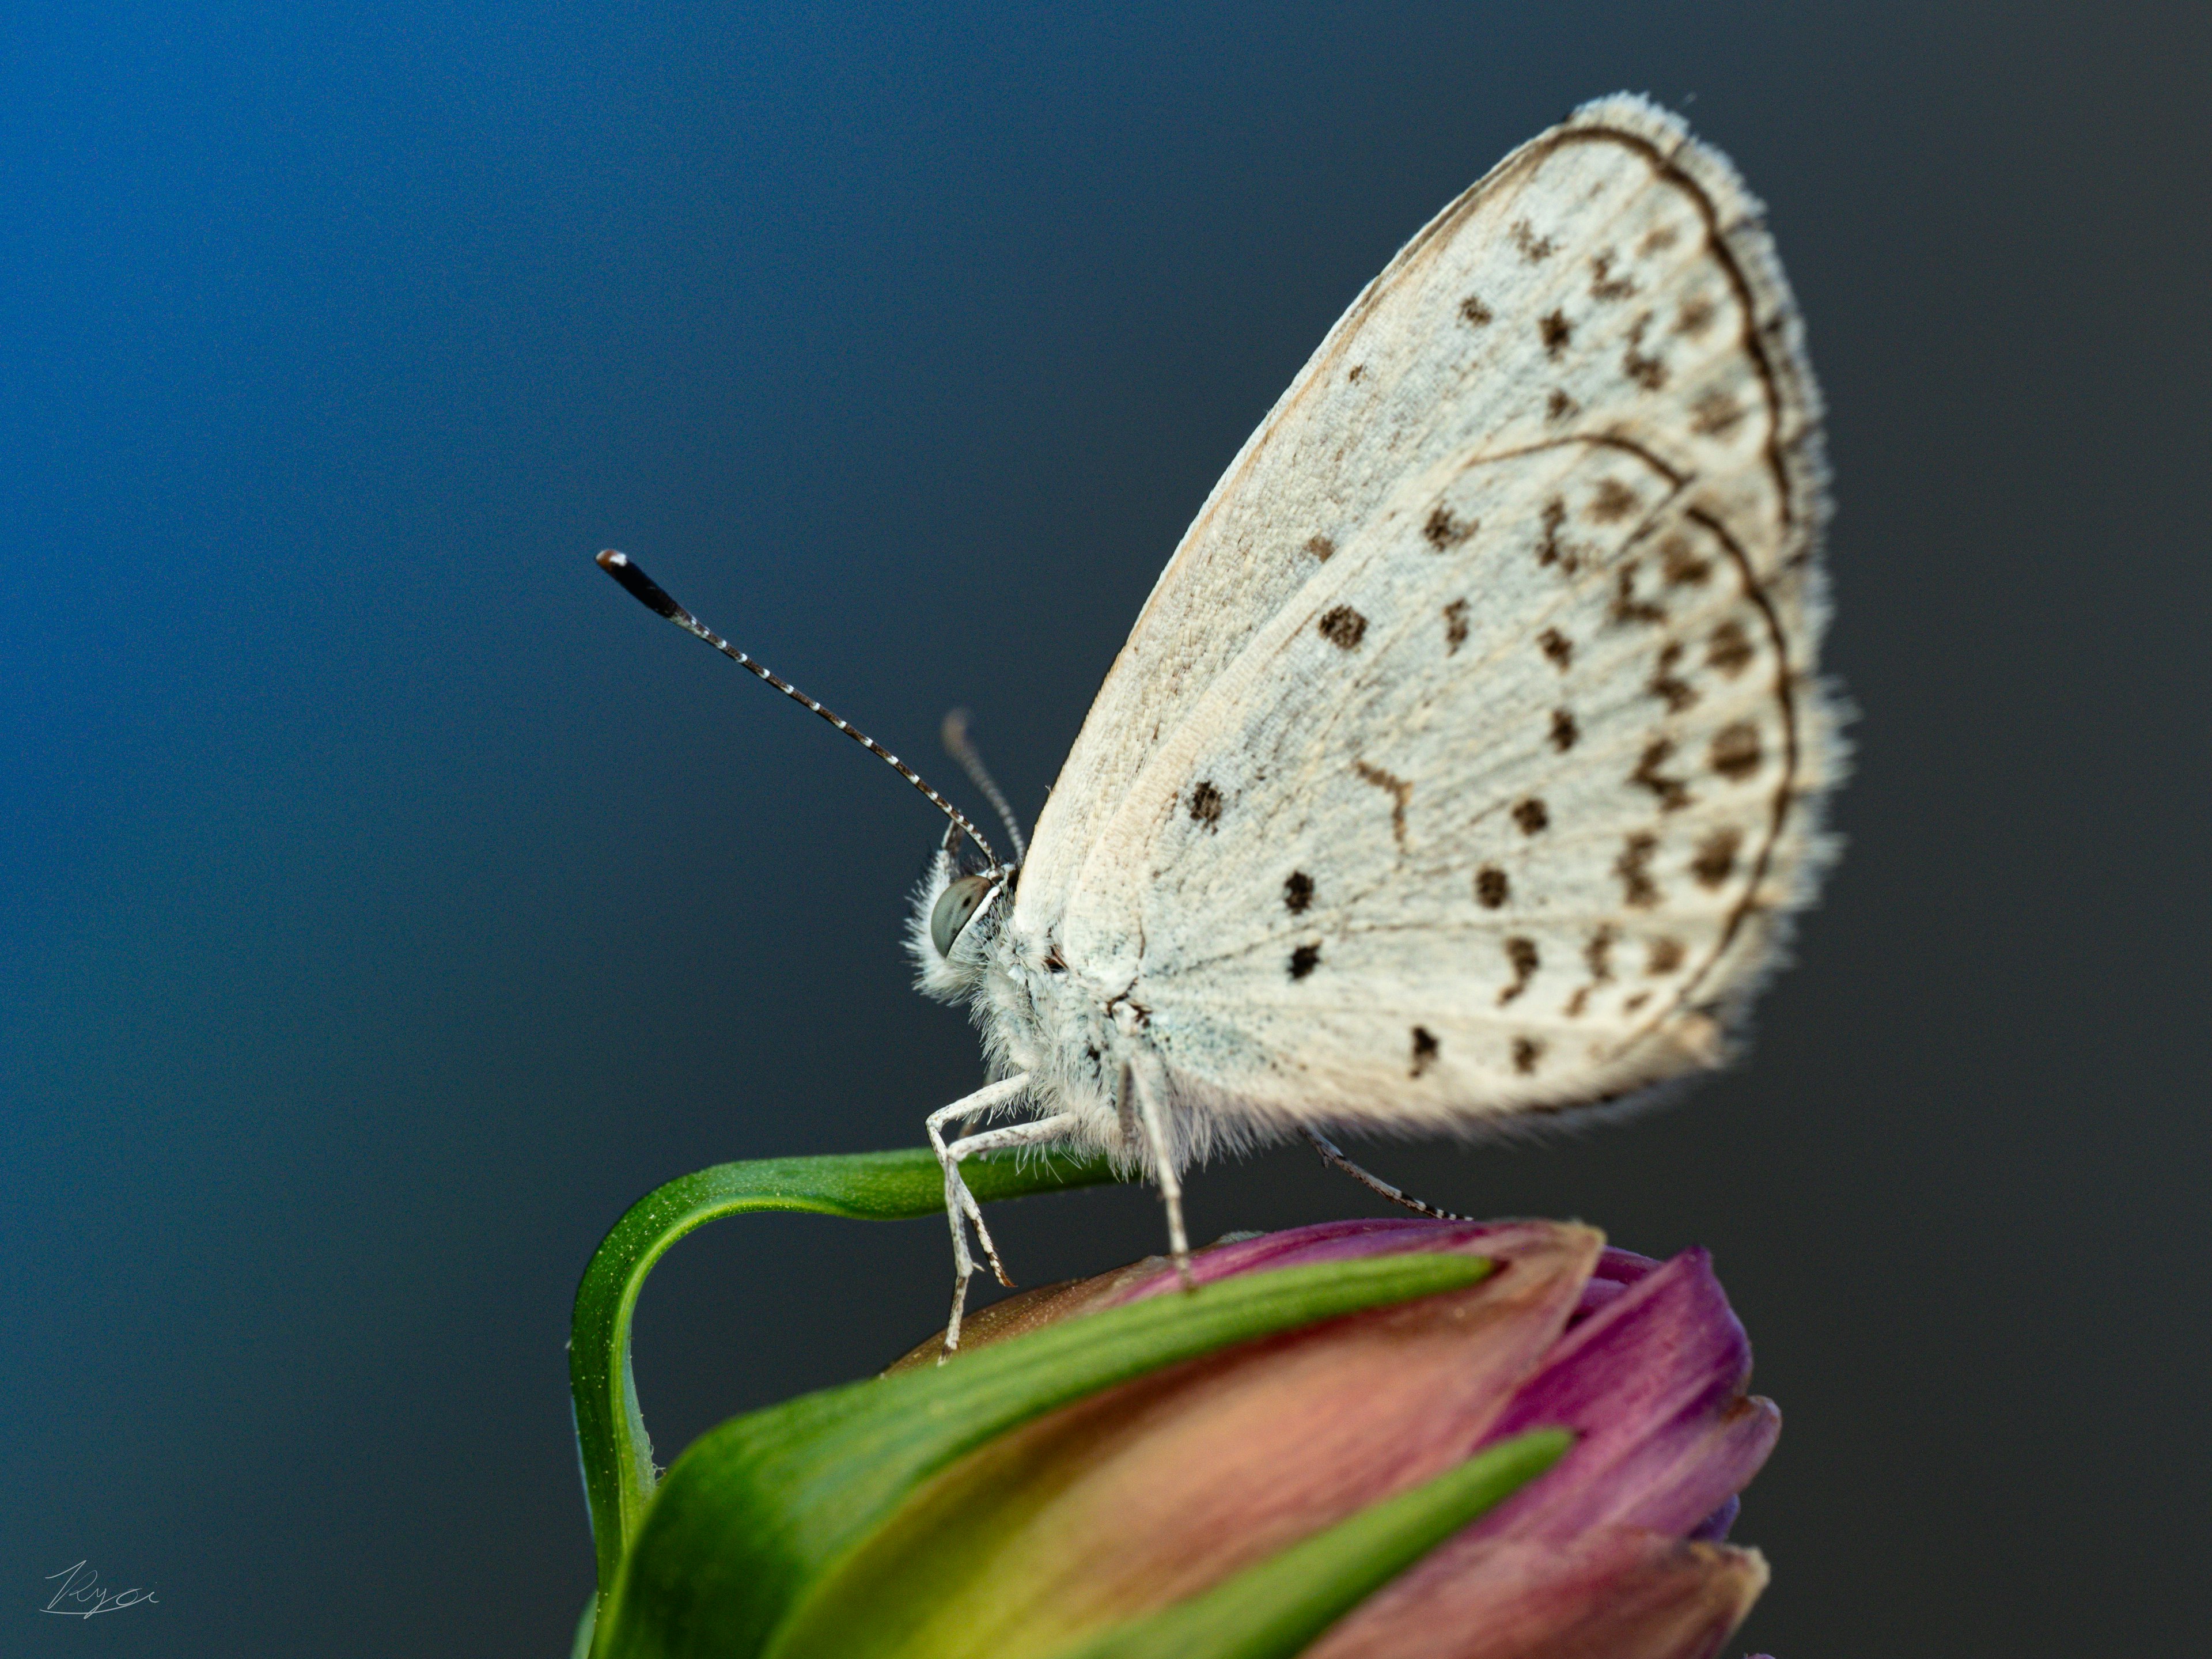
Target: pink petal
[(1620, 1593), (1330, 1240)]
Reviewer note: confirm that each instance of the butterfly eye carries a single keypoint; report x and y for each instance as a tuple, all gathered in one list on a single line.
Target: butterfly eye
[(954, 906)]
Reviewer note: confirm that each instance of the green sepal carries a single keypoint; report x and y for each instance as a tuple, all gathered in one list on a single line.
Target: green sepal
[(758, 1512), (610, 1438), (1279, 1607)]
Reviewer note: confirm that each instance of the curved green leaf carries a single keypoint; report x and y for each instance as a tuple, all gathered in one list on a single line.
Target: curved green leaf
[(610, 1436), (757, 1513), (1277, 1608)]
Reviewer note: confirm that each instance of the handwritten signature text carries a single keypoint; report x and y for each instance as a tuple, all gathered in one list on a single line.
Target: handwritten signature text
[(81, 1596)]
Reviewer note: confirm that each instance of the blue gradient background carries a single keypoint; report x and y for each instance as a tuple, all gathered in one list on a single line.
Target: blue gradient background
[(386, 901)]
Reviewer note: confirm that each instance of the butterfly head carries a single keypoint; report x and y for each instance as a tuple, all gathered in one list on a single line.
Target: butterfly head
[(955, 923)]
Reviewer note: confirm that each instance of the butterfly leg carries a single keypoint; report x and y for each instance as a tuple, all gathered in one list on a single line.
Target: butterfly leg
[(1042, 1130), (1163, 1169), (960, 1205), (1331, 1154), (1037, 1132)]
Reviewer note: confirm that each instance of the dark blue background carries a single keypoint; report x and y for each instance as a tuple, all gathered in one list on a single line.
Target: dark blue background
[(386, 901)]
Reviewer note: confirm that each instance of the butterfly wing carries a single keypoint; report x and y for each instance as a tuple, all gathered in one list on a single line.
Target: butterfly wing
[(1467, 753)]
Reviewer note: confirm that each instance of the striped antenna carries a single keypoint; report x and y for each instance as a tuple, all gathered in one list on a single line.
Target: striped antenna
[(650, 594)]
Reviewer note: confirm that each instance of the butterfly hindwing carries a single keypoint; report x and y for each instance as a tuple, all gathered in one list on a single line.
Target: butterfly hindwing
[(1536, 827), (1467, 751)]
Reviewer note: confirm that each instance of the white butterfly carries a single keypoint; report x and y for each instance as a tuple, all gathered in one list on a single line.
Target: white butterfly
[(1468, 757)]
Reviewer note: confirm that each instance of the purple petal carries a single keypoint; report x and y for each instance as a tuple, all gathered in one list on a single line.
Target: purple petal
[(1714, 1528), (1652, 1384), (1605, 1594), (1616, 1271)]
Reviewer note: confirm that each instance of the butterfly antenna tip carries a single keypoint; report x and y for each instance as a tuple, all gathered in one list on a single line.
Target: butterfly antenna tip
[(655, 598)]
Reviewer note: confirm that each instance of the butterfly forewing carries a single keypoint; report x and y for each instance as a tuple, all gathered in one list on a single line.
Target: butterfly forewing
[(1467, 749)]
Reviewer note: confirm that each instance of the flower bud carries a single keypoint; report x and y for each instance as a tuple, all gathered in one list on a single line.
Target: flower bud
[(1160, 1489)]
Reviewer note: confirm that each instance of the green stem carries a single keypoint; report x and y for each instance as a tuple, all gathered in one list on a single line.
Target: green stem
[(616, 1453)]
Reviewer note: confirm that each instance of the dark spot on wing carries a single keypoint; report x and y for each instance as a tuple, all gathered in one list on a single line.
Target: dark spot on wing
[(1630, 1004), (1533, 248), (1305, 960), (1626, 607), (1716, 859), (1343, 626), (1577, 1003), (1559, 406), (1549, 550), (1474, 310), (1455, 626), (1613, 502), (1696, 318), (1563, 730), (1444, 530), (1557, 646), (1715, 413), (1633, 866), (1357, 370), (1674, 794), (1425, 1049), (1647, 372), (1734, 753), (1491, 889), (1298, 892), (1597, 953), (1681, 564), (1321, 547), (1521, 957), (1731, 649), (1401, 791), (1658, 239), (1678, 694), (1604, 285), (1205, 803), (1662, 956), (1527, 1051), (1531, 816), (1556, 331), (1054, 962)]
